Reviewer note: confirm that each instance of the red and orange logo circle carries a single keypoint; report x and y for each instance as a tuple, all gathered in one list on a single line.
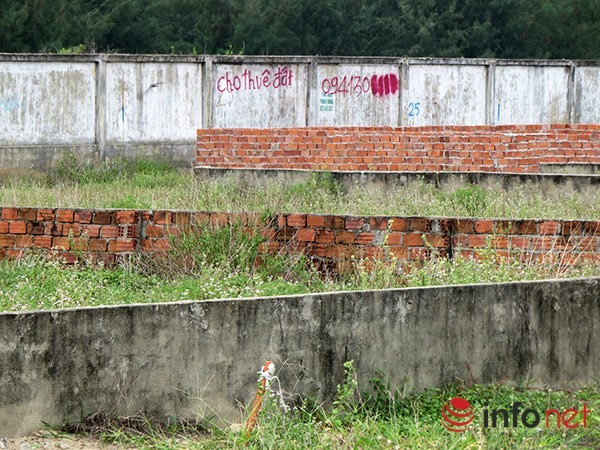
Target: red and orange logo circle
[(457, 413)]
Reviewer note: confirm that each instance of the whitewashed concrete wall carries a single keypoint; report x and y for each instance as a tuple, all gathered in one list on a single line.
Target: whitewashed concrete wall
[(357, 95), (587, 95), (131, 105), (531, 94), (153, 102), (259, 95), (445, 95), (49, 103)]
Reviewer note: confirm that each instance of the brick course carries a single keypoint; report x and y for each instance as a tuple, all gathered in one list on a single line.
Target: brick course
[(502, 149), (106, 235)]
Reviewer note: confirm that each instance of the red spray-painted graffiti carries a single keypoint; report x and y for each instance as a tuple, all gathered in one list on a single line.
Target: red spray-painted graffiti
[(282, 77), (378, 85), (384, 84), (348, 85)]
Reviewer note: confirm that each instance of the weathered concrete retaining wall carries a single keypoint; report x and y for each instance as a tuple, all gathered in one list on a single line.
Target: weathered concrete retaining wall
[(200, 358), (505, 149), (107, 234), (379, 182), (122, 103)]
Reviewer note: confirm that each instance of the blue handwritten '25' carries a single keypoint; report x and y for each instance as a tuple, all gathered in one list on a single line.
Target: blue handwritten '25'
[(414, 109)]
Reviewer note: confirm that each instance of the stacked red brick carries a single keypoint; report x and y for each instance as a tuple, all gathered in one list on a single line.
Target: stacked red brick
[(101, 234), (106, 234), (415, 238), (504, 149)]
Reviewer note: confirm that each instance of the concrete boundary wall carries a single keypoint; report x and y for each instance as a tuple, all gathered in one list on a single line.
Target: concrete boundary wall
[(199, 359), (127, 105)]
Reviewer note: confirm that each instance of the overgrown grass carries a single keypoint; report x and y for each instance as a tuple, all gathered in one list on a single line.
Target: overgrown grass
[(221, 263), (35, 284), (151, 185), (225, 262), (486, 267), (376, 416)]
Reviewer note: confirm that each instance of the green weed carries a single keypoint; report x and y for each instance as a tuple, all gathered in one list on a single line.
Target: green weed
[(152, 185), (377, 416), (71, 170), (469, 200), (129, 202), (226, 263)]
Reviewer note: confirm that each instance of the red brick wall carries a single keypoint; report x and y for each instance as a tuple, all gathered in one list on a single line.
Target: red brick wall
[(102, 234), (106, 234), (414, 238), (453, 148)]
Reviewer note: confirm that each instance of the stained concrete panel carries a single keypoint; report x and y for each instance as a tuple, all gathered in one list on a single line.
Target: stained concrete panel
[(531, 94), (153, 102), (47, 103), (587, 95), (357, 95), (200, 359), (445, 95), (259, 95)]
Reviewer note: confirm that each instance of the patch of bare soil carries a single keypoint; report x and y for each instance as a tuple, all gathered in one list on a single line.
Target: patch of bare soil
[(45, 441), (80, 435)]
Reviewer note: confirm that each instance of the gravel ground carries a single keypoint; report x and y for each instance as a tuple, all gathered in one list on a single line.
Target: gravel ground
[(43, 441)]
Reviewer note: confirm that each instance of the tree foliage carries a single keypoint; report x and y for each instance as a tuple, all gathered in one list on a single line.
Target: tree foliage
[(453, 28)]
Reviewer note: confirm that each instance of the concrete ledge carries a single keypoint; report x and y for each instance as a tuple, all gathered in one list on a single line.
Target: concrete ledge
[(177, 153), (200, 358), (42, 157), (580, 169), (379, 180), (262, 59)]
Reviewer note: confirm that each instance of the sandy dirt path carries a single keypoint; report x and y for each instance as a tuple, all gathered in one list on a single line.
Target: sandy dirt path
[(46, 441)]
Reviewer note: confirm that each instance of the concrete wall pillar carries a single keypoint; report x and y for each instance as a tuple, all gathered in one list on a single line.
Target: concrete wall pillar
[(101, 106)]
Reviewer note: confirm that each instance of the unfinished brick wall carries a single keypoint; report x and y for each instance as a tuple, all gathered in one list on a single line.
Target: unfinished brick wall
[(104, 235), (504, 149), (416, 238)]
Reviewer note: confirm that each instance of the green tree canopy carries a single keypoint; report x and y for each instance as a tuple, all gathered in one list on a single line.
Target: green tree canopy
[(457, 28)]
